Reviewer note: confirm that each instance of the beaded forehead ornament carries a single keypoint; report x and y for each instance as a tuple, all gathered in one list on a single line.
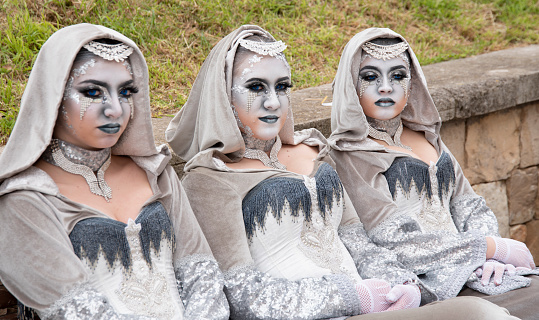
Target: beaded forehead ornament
[(117, 52), (264, 48), (384, 52)]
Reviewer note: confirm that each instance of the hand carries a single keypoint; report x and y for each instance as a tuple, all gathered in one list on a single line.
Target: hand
[(513, 252), (493, 266), (404, 296), (372, 295), (376, 295)]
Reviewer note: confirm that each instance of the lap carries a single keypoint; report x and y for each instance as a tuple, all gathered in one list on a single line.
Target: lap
[(522, 303), (472, 308)]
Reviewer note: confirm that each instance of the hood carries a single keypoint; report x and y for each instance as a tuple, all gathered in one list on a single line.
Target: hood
[(348, 122), (206, 123), (44, 93)]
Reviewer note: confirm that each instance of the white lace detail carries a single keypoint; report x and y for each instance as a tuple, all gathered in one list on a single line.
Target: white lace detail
[(433, 215), (319, 240), (143, 291)]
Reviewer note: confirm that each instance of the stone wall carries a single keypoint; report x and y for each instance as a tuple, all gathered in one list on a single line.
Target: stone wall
[(500, 159)]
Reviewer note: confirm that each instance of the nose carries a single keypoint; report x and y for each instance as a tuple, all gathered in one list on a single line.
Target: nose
[(271, 101), (386, 86), (113, 107)]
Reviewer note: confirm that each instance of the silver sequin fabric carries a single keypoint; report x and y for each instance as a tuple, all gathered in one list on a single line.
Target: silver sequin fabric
[(376, 262), (201, 288), (84, 303), (508, 282), (473, 214), (255, 295), (442, 260)]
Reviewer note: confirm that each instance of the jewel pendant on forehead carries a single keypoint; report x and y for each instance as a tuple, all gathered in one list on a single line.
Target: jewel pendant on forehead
[(263, 48), (117, 52), (384, 52)]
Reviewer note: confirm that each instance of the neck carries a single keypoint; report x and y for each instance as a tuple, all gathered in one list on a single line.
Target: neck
[(388, 126), (258, 144), (77, 155)]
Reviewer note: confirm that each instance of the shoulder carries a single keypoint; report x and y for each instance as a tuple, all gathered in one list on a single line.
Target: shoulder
[(300, 149)]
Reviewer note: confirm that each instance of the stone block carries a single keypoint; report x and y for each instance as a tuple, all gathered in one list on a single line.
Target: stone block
[(518, 232), (532, 239), (496, 197), (529, 136), (453, 134), (492, 146), (521, 194)]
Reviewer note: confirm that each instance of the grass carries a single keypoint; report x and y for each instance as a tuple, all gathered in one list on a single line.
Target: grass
[(175, 35)]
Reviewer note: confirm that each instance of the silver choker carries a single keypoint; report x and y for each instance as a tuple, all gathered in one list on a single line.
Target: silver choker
[(272, 161), (76, 160), (389, 131)]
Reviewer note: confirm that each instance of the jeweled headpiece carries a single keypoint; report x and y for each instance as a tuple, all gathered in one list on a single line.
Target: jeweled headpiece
[(117, 52), (384, 52), (263, 48)]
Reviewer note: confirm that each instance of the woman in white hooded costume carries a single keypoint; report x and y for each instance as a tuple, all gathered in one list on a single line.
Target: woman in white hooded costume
[(407, 188), (270, 203), (95, 223)]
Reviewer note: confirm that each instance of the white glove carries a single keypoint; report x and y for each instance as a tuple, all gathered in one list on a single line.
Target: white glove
[(513, 252), (491, 267), (404, 296), (376, 295), (372, 295)]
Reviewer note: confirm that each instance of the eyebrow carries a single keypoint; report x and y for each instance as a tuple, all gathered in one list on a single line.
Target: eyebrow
[(376, 69), (106, 85), (265, 81)]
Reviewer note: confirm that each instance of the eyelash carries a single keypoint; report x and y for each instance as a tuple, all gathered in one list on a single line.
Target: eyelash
[(96, 93), (398, 76), (259, 87), (132, 90)]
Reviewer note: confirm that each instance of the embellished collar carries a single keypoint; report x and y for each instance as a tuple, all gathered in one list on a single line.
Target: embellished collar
[(79, 161), (389, 131), (77, 155)]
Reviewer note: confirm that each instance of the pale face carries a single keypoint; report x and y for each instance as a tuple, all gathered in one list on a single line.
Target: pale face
[(260, 89), (103, 89), (383, 87)]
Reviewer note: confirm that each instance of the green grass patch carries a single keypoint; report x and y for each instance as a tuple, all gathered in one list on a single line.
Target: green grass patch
[(176, 36)]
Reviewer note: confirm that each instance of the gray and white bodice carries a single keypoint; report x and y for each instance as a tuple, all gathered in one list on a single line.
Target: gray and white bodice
[(424, 191), (131, 264), (292, 225), (439, 230)]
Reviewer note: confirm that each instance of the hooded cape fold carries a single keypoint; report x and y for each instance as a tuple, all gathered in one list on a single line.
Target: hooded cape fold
[(206, 123), (44, 94)]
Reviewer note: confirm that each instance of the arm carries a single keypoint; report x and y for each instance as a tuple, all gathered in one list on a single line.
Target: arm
[(442, 260), (253, 294), (373, 261), (200, 282), (42, 271), (469, 210)]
